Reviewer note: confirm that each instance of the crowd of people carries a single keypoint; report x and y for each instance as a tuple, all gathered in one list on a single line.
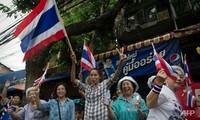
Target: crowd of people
[(160, 104)]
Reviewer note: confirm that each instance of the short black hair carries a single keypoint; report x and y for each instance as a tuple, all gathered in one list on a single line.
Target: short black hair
[(19, 95), (98, 71)]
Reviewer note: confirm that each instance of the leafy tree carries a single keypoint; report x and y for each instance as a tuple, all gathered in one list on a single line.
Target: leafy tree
[(180, 5), (90, 20)]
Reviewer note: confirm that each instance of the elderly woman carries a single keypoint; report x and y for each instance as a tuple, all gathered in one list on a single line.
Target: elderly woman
[(162, 100), (29, 112), (129, 106), (150, 81), (60, 108)]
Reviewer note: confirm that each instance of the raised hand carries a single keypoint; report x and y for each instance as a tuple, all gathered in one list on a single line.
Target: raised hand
[(138, 105), (80, 76), (160, 77), (9, 110), (7, 83), (73, 57), (121, 54), (108, 104), (37, 89)]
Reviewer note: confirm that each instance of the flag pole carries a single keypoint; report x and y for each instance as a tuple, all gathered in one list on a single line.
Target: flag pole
[(47, 67), (80, 74), (69, 44), (67, 38)]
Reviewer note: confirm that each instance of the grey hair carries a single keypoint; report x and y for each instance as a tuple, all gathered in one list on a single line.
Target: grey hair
[(28, 90), (178, 68)]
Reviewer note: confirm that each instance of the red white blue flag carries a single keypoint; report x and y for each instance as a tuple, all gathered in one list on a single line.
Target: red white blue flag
[(187, 75), (41, 79), (40, 28), (190, 99), (87, 61), (162, 64)]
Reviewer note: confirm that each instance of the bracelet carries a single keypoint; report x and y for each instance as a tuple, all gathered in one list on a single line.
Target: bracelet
[(156, 89)]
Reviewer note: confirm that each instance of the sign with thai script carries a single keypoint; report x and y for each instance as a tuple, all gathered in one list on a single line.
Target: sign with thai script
[(140, 61)]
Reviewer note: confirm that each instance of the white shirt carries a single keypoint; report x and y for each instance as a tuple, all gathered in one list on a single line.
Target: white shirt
[(168, 106)]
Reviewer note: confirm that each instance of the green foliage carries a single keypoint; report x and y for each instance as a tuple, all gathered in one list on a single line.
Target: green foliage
[(195, 5), (18, 7), (7, 10), (101, 44), (88, 10), (62, 47), (4, 8), (25, 5), (181, 5), (76, 11)]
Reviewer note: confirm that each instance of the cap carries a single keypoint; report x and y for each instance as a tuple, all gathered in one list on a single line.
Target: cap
[(150, 80), (129, 78)]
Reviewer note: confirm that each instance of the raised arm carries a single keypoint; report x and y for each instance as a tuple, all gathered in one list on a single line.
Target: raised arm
[(4, 92), (152, 97), (120, 65), (5, 89), (37, 91), (73, 68)]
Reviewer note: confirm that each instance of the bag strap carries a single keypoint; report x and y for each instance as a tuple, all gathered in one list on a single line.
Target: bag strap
[(59, 109)]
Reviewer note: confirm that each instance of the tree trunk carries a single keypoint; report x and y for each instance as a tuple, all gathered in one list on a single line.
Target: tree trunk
[(35, 66)]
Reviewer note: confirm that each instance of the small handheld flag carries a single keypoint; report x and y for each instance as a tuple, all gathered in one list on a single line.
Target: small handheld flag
[(187, 75), (41, 79), (162, 64), (87, 61), (190, 99)]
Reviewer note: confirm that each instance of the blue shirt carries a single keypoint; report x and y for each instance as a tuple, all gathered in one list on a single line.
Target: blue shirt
[(67, 109), (27, 113), (4, 115), (126, 110)]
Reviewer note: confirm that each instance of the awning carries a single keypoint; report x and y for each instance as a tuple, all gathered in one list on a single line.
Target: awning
[(13, 76), (17, 87), (175, 34), (18, 77), (58, 76)]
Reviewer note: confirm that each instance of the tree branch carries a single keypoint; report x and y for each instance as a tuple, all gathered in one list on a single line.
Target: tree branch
[(105, 21)]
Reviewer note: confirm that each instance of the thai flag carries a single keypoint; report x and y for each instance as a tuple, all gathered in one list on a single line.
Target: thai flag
[(41, 79), (87, 61), (8, 105), (40, 28), (190, 99), (4, 114), (186, 72), (162, 64)]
